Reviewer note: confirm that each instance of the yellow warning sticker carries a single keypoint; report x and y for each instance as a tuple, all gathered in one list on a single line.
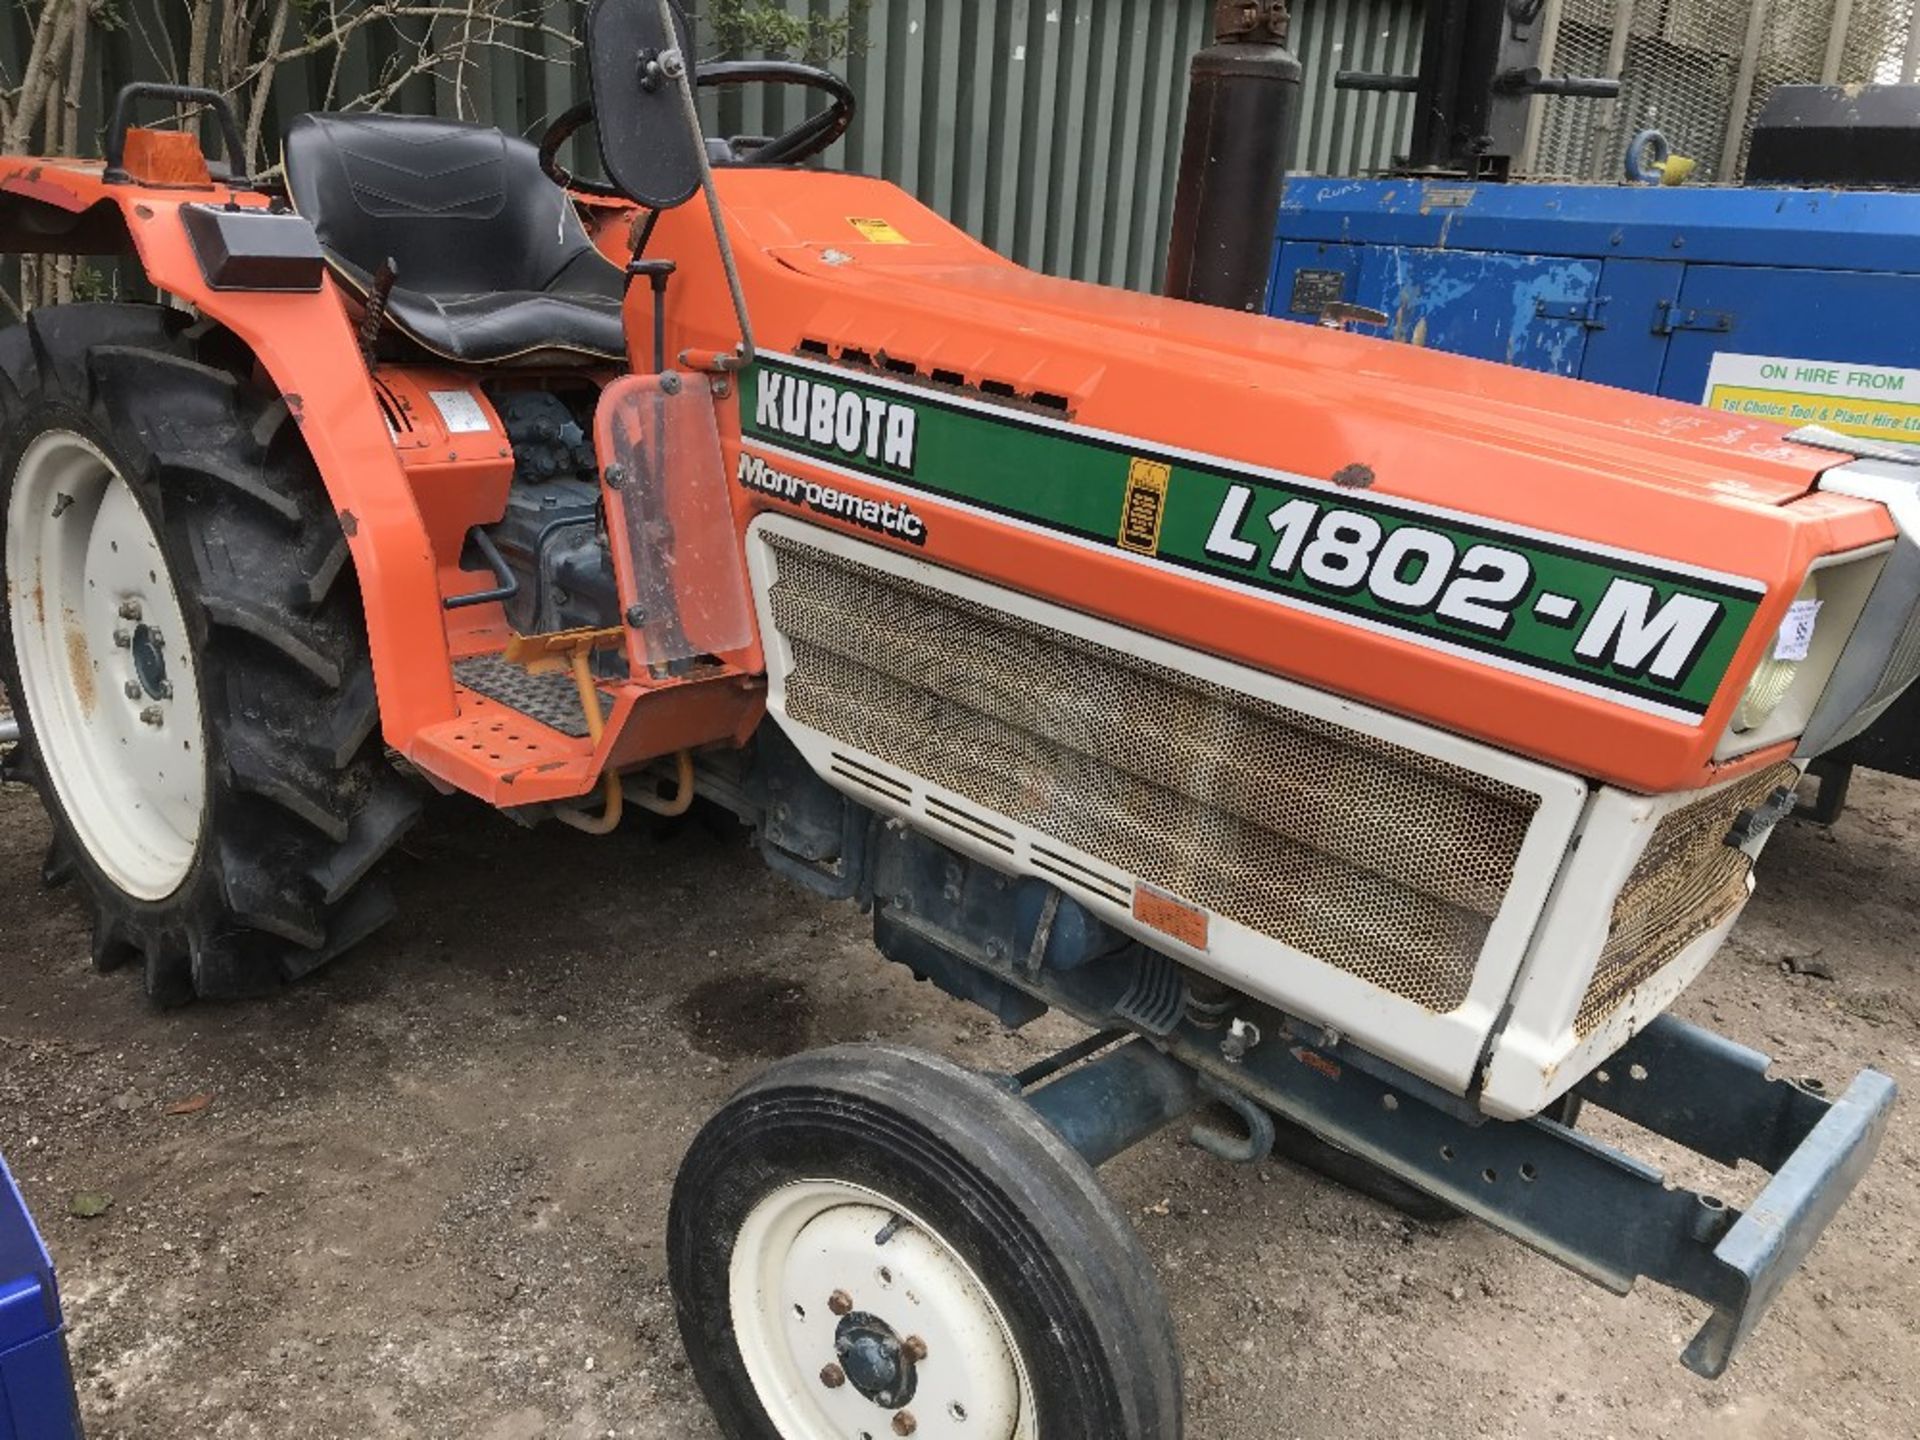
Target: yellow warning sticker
[(1144, 507), (1874, 402), (877, 232)]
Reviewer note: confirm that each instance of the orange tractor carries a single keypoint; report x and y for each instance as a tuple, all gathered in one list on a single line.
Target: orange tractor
[(1368, 745)]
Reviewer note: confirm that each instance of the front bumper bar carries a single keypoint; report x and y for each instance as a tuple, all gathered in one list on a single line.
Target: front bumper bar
[(1596, 1210), (1713, 1096)]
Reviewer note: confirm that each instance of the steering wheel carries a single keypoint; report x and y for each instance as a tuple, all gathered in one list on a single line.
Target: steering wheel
[(800, 143)]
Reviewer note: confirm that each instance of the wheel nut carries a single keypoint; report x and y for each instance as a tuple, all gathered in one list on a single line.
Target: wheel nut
[(833, 1377), (914, 1348), (840, 1303), (152, 715), (123, 638), (156, 639), (129, 609), (134, 692), (904, 1423), (166, 690)]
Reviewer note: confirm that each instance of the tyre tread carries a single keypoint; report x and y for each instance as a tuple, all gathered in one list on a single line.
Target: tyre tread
[(303, 804), (1098, 1322)]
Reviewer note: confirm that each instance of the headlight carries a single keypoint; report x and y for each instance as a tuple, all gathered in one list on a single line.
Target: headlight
[(1801, 656), (1773, 681)]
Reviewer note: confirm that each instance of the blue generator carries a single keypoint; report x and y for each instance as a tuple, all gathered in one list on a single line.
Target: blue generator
[(36, 1385), (1779, 302), (1801, 305)]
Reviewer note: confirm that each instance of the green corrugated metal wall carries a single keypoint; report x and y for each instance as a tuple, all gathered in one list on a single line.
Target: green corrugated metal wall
[(1050, 128)]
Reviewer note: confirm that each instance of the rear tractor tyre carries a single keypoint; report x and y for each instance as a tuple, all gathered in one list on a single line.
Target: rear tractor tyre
[(870, 1241), (181, 635)]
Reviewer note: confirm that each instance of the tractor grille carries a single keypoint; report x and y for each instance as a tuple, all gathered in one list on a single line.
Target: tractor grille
[(1370, 857), (1688, 881)]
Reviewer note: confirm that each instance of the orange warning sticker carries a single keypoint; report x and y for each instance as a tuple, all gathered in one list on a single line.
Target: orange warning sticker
[(877, 232), (1170, 916)]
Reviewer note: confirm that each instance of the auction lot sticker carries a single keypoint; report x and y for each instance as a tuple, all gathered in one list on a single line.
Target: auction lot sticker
[(1873, 402)]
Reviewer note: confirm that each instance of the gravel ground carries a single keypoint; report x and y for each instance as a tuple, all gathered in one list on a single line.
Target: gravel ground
[(424, 1194)]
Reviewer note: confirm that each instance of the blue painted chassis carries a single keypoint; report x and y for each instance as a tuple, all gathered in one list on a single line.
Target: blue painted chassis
[(37, 1399)]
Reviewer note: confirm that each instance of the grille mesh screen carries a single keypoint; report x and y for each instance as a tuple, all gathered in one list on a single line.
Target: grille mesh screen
[(1688, 881), (1373, 858)]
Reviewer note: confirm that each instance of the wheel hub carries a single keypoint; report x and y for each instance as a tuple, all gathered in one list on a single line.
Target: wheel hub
[(855, 1320), (875, 1361), (150, 662)]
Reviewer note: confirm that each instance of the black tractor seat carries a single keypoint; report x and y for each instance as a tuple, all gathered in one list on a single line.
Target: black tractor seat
[(492, 262)]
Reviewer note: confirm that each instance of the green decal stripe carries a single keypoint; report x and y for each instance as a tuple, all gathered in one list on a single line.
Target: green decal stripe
[(1076, 483)]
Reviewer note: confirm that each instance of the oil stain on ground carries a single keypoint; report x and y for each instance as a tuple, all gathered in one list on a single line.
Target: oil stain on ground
[(755, 1016)]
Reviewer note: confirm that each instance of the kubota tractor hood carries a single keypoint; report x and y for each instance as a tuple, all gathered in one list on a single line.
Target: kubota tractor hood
[(1568, 571)]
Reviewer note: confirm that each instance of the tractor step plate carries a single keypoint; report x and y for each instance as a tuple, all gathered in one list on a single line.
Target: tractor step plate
[(552, 699)]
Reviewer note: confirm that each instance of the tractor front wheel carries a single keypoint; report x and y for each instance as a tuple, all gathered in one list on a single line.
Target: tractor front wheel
[(871, 1241), (183, 643)]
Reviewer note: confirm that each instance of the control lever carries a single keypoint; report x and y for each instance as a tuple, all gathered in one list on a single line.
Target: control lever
[(657, 273), (376, 312), (1529, 81)]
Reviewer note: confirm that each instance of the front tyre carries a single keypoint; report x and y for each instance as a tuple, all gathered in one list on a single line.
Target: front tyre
[(871, 1241), (182, 639)]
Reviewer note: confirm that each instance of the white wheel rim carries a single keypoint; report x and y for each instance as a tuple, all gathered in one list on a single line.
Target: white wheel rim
[(817, 1247), (107, 674)]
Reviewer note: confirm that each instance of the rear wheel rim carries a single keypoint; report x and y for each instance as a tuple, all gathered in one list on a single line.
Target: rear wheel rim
[(829, 1283), (107, 675)]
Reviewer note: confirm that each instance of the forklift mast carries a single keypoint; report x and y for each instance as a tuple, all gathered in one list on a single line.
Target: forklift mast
[(1479, 71)]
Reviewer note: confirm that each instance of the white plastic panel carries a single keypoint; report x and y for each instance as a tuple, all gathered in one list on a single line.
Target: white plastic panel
[(1540, 1054)]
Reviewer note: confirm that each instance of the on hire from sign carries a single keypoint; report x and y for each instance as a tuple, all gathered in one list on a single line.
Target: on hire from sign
[(859, 426)]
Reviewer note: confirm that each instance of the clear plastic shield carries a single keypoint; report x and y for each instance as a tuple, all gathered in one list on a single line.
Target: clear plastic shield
[(675, 549)]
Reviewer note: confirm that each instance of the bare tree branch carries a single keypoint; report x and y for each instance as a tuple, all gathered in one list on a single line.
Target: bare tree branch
[(197, 42), (69, 130), (50, 35), (263, 81)]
